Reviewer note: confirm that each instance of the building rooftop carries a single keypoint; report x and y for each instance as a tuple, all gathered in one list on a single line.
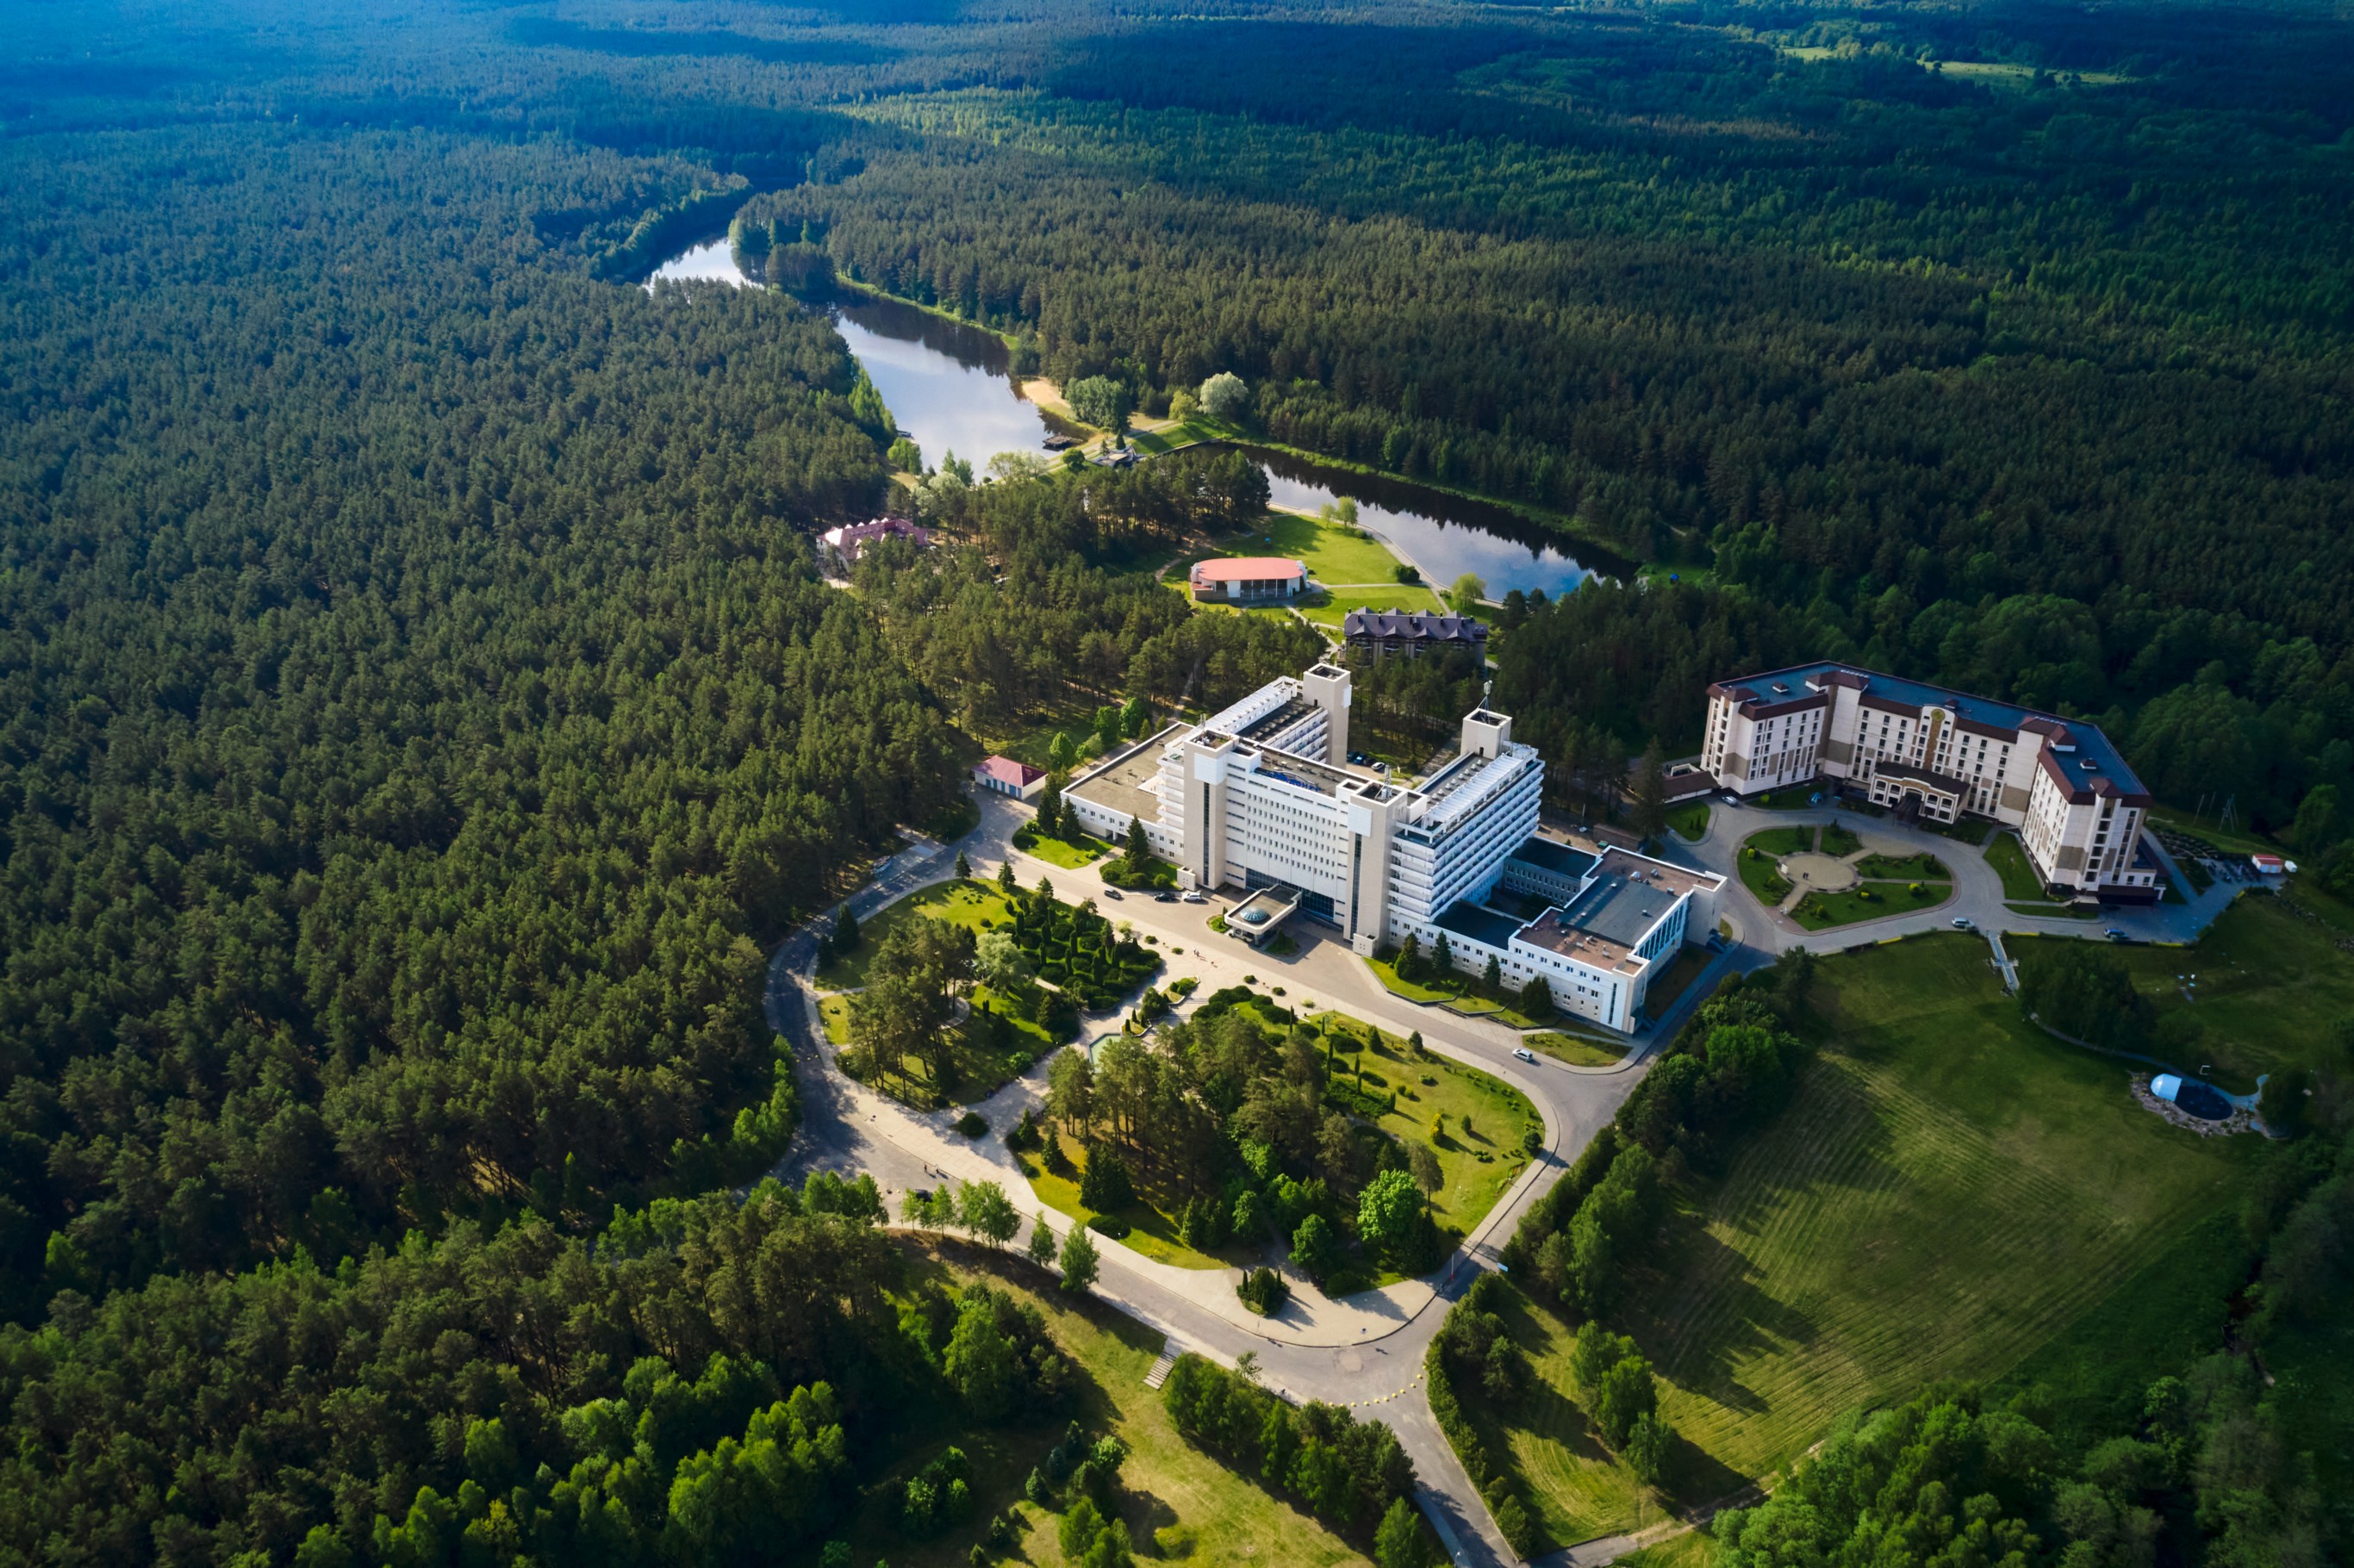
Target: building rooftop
[(1604, 925), (1561, 859), (1800, 682), (1270, 725), (1247, 568), (1005, 771), (1413, 625), (1126, 784), (1465, 918)]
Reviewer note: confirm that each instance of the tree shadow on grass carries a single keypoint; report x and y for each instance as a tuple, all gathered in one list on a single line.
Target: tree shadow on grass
[(1753, 1322)]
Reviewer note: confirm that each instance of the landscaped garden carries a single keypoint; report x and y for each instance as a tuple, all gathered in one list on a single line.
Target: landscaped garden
[(1432, 977), (1922, 867), (1868, 901), (1245, 1128), (965, 985)]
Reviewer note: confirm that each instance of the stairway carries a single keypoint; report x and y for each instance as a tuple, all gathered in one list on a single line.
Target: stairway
[(1160, 1372)]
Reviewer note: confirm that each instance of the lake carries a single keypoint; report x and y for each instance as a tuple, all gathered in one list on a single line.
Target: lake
[(950, 389)]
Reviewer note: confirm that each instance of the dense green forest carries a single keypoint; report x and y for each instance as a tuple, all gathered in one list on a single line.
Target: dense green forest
[(419, 706)]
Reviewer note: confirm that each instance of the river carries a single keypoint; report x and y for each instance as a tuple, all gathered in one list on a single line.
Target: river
[(949, 388)]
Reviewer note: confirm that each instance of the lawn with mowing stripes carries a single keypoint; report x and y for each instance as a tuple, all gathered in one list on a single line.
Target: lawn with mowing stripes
[(1950, 1190)]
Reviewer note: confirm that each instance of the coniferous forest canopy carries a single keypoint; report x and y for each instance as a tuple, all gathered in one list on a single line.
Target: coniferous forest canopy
[(419, 708)]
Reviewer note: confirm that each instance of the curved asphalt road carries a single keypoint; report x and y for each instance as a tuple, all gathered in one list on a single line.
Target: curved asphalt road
[(1379, 1367)]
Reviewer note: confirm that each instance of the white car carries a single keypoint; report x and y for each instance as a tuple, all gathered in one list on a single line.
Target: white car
[(1192, 897), (1961, 922), (1525, 1055)]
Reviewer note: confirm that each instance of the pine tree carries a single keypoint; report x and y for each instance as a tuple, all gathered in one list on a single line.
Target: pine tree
[(845, 931), (964, 867), (1651, 801), (1139, 851)]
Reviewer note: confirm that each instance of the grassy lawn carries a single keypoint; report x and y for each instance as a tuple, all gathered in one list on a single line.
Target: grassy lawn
[(1580, 1491), (1070, 857), (1330, 609), (2054, 911), (1413, 991), (1949, 1192), (1668, 989), (1868, 901), (2004, 853), (1336, 556), (1688, 1549), (2272, 989), (1458, 993), (836, 1010), (1766, 884), (1478, 1166), (1689, 821), (975, 906), (1922, 867), (981, 1067), (1577, 1050), (1779, 841), (1177, 1499), (1152, 1230), (1795, 799), (1840, 839)]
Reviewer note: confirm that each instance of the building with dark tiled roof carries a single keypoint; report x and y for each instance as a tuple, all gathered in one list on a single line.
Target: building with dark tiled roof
[(1922, 751), (1411, 633)]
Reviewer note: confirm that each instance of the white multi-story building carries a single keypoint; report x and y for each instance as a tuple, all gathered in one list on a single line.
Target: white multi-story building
[(1923, 751), (1258, 797)]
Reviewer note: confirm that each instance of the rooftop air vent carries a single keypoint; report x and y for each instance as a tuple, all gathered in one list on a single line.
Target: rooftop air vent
[(1781, 689)]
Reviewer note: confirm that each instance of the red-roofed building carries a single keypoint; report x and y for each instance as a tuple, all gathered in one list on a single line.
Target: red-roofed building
[(1248, 580), (1008, 777)]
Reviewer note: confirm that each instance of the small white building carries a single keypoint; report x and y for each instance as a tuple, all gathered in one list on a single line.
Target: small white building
[(1247, 580), (1006, 777)]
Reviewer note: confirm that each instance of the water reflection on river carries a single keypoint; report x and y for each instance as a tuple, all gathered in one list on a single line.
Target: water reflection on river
[(949, 387)]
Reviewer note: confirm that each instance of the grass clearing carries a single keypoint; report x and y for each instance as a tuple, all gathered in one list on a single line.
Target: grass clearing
[(1689, 821), (1068, 856), (835, 1010), (1167, 1485), (1152, 1231), (1868, 901), (1950, 1190), (1330, 609), (976, 906), (2009, 858), (1577, 1050), (1579, 1488), (1336, 556), (2054, 911), (1838, 839), (1478, 1166), (2272, 990), (1797, 798)]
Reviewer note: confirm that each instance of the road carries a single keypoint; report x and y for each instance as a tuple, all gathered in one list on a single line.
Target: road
[(1366, 1353)]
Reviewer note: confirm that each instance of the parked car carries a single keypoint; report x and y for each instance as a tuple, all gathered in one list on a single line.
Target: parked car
[(1525, 1055), (1111, 893), (1192, 897), (1164, 898), (2114, 934), (1962, 923)]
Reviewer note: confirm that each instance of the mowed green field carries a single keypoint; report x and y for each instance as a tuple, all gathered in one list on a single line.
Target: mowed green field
[(1949, 1190), (2273, 988)]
